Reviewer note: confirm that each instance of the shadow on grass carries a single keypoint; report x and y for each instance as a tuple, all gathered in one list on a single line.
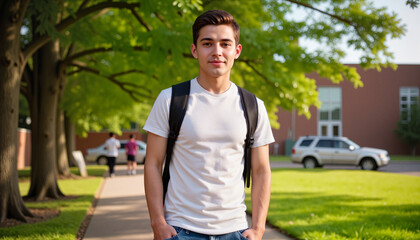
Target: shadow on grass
[(64, 226)]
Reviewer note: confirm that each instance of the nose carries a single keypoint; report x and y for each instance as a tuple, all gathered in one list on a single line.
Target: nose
[(217, 51)]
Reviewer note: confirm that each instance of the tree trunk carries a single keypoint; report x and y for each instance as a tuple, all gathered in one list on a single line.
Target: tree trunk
[(63, 168), (44, 112), (11, 15), (70, 139)]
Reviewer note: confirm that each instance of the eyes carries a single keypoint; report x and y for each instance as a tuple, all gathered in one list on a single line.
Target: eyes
[(222, 44)]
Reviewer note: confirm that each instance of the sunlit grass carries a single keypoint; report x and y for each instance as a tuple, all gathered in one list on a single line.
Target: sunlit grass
[(345, 204), (73, 211), (279, 158)]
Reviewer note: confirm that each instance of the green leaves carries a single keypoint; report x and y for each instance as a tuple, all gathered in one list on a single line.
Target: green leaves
[(134, 53)]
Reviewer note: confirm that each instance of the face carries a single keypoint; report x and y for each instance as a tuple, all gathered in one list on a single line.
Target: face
[(216, 50)]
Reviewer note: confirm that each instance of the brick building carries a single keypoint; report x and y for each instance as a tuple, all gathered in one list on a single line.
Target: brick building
[(366, 115)]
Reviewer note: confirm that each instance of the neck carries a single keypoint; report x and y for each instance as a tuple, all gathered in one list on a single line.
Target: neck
[(214, 85)]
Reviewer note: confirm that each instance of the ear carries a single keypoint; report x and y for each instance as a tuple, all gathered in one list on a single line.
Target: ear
[(238, 51), (194, 50)]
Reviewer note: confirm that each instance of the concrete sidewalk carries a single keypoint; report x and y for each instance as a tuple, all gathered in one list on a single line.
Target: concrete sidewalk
[(121, 211)]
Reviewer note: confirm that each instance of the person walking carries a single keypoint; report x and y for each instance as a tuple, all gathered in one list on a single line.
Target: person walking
[(112, 145), (205, 197), (131, 149)]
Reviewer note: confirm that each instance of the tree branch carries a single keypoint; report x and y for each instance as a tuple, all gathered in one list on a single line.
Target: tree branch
[(163, 20), (32, 47), (84, 3), (341, 19), (261, 75), (135, 95), (81, 54), (325, 13), (141, 20)]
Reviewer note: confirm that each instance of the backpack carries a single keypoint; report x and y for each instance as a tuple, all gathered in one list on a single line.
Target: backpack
[(177, 110)]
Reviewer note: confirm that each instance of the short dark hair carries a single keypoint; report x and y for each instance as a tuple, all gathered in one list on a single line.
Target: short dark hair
[(131, 135), (215, 17), (111, 134)]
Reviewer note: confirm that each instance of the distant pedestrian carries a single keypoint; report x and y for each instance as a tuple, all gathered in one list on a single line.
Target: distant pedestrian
[(131, 150), (112, 145)]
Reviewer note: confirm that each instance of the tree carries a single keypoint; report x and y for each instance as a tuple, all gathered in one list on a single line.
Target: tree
[(12, 14), (409, 128), (273, 64), (14, 62)]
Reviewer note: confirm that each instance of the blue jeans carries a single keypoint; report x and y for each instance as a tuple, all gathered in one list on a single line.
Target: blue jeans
[(183, 234)]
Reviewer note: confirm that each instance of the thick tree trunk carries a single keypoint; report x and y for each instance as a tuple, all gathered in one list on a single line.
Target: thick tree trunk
[(70, 139), (44, 112), (11, 15), (63, 168)]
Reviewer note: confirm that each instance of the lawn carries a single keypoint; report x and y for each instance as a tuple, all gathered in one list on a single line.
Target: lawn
[(345, 204), (279, 158), (73, 211)]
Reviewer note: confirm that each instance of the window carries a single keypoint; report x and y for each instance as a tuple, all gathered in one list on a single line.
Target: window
[(331, 103), (306, 143), (409, 99), (329, 115), (324, 143), (341, 144)]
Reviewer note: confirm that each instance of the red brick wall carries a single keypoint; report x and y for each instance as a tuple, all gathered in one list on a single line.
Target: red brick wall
[(369, 114)]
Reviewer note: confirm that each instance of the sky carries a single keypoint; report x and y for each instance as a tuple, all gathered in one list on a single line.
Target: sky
[(407, 48)]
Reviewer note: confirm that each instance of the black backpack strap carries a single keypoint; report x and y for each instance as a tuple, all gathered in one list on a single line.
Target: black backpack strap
[(250, 106), (177, 110)]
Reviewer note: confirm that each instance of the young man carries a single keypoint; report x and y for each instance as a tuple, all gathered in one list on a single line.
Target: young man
[(205, 194), (112, 145), (131, 150)]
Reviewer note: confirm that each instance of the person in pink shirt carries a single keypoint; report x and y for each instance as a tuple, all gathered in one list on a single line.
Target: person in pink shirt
[(131, 149)]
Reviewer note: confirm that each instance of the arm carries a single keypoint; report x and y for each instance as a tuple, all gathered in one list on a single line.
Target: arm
[(260, 191), (155, 154)]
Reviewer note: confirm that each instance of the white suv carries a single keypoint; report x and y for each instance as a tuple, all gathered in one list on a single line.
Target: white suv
[(315, 151)]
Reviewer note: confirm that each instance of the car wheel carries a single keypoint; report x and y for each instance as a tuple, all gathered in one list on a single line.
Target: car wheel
[(102, 160), (310, 162), (368, 164)]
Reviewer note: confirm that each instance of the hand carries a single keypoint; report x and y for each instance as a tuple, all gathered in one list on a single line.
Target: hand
[(163, 231), (253, 234)]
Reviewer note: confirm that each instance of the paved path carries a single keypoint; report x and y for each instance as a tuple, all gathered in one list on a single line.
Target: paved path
[(121, 211)]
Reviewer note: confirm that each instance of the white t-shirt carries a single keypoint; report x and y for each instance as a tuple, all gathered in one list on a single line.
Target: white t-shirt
[(206, 189), (112, 146)]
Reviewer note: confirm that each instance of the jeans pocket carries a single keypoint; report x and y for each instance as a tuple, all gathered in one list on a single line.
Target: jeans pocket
[(178, 230), (173, 238), (242, 236)]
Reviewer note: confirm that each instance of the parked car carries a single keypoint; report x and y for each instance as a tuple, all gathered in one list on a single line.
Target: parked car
[(98, 154), (316, 151)]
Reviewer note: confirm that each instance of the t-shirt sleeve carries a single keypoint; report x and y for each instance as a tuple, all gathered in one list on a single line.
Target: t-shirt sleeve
[(157, 121), (263, 134)]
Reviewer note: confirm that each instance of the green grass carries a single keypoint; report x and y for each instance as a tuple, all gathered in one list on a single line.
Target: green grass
[(345, 204), (404, 157), (280, 158), (73, 211)]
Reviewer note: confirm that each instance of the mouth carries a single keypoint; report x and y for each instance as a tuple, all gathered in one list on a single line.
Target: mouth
[(216, 62)]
